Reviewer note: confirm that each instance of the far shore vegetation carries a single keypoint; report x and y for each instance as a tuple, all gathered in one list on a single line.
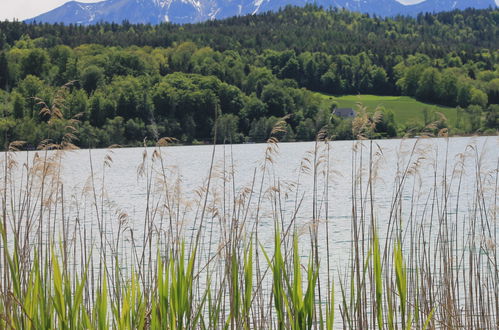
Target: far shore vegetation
[(126, 84)]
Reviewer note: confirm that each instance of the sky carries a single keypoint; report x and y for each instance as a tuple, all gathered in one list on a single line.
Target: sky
[(23, 9)]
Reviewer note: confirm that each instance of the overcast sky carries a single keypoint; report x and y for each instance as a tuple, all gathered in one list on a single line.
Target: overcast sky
[(23, 9)]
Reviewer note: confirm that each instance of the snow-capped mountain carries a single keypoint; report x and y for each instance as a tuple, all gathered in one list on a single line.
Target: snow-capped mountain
[(191, 11)]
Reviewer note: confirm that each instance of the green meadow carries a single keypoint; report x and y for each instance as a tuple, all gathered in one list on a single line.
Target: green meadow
[(405, 108)]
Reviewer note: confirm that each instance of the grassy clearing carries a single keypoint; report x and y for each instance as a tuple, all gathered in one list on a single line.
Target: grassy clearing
[(405, 108)]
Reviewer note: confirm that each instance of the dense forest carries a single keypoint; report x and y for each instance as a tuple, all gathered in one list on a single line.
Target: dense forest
[(124, 84)]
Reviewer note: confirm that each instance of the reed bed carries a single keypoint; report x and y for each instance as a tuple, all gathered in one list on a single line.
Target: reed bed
[(244, 256)]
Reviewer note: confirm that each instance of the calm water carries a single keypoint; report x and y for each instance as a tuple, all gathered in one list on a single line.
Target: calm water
[(191, 164), (126, 192)]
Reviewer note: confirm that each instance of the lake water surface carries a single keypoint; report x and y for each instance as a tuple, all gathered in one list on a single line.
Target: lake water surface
[(292, 165)]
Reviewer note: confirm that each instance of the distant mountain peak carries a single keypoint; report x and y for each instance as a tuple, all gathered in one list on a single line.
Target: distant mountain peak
[(192, 11)]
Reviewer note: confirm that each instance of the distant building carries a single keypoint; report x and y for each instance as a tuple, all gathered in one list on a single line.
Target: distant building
[(344, 112)]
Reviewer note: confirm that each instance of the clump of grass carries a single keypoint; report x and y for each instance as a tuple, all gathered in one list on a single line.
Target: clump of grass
[(175, 307)]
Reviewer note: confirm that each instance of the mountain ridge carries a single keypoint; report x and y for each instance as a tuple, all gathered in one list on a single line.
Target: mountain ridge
[(193, 11)]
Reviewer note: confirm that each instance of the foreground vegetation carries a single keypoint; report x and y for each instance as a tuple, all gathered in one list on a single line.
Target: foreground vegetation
[(75, 260), (134, 82)]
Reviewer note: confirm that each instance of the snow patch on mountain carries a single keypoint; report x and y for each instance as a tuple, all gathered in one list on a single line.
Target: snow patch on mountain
[(213, 14), (257, 5), (161, 3)]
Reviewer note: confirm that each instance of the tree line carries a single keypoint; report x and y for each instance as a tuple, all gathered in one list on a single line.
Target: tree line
[(125, 83)]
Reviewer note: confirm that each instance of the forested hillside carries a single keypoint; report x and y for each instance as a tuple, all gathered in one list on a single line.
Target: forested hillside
[(126, 83)]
